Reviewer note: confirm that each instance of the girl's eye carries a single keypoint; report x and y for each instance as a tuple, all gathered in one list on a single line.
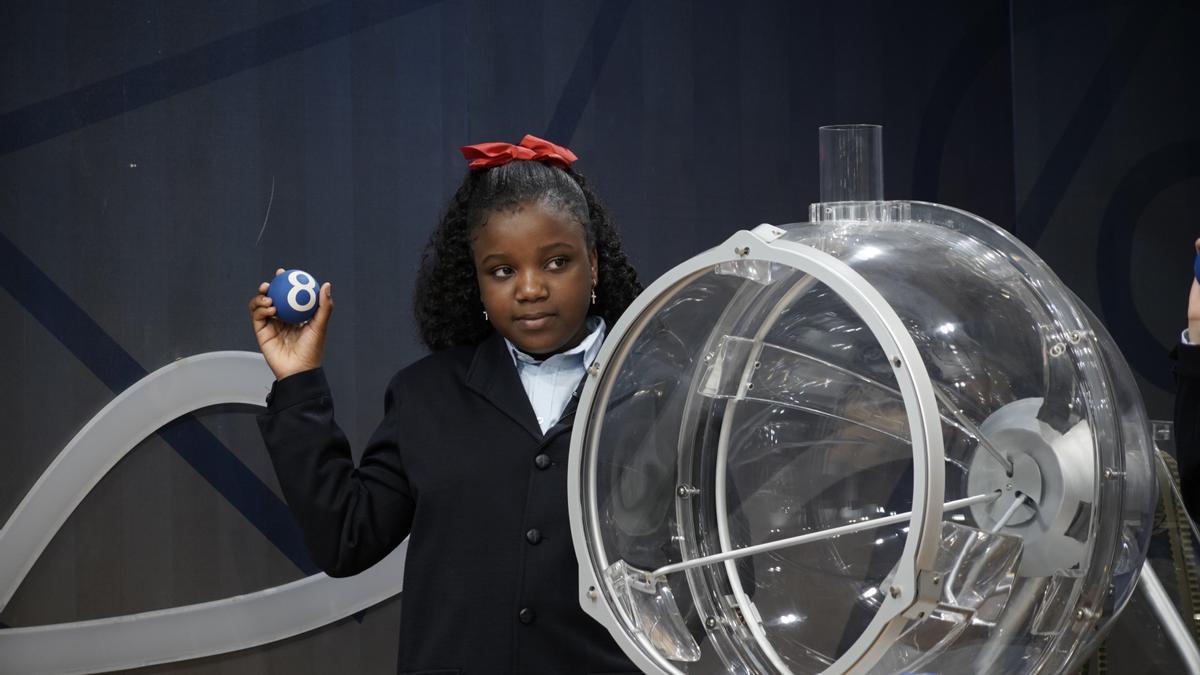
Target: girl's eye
[(556, 263), (502, 272)]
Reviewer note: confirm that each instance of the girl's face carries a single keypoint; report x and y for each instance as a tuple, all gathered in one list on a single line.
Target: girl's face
[(536, 273)]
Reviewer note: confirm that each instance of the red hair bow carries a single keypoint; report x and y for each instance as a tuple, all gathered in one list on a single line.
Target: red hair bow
[(487, 155)]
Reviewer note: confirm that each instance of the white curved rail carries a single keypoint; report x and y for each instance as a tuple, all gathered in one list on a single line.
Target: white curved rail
[(177, 633)]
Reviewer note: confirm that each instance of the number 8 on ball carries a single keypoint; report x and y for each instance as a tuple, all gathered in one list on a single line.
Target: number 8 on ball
[(295, 296)]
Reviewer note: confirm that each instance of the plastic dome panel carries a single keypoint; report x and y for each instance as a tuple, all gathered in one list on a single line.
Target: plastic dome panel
[(886, 440)]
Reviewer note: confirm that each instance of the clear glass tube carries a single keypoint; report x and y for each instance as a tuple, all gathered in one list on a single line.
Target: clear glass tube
[(851, 162)]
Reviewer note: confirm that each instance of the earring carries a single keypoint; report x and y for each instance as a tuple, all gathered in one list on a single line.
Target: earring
[(485, 316), (593, 296)]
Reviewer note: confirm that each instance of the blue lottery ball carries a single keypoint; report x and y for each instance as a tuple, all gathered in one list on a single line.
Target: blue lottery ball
[(295, 294)]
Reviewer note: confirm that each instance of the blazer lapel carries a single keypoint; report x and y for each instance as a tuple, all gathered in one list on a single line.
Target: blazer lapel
[(493, 376), (567, 420)]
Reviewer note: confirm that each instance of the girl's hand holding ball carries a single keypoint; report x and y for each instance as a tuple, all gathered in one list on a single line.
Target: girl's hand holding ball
[(276, 313), (1193, 313)]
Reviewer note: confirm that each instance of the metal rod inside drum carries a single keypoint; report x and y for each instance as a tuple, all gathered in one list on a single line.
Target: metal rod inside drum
[(816, 536)]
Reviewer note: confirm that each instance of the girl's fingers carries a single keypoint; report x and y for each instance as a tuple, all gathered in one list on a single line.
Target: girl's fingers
[(324, 307), (279, 271), (262, 288)]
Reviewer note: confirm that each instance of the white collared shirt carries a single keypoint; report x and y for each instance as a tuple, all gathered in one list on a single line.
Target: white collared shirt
[(549, 384)]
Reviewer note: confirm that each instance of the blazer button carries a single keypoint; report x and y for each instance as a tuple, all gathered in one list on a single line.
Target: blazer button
[(526, 616), (542, 461), (534, 536)]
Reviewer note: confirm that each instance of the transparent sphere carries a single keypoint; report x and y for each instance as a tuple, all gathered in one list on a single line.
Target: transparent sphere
[(889, 440)]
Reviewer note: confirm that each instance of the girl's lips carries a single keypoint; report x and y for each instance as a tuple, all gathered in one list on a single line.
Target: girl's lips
[(534, 323)]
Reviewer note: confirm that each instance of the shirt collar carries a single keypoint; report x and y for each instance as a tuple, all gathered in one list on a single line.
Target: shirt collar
[(588, 348)]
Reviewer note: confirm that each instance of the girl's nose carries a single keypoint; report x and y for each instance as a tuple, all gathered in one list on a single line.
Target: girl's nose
[(531, 287)]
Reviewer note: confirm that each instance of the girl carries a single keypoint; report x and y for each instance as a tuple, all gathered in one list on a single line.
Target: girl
[(516, 288)]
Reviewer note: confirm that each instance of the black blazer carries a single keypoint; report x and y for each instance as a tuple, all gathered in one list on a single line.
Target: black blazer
[(460, 466), (1187, 423)]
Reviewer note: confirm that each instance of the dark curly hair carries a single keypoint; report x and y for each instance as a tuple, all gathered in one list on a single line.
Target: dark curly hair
[(447, 305)]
